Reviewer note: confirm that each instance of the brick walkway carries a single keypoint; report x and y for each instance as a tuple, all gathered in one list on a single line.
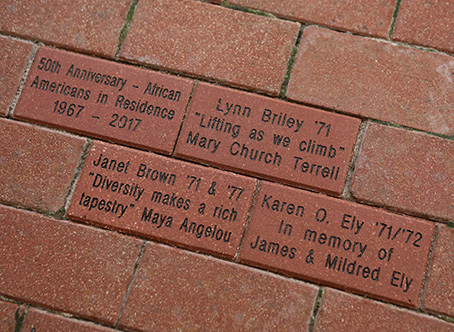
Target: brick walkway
[(239, 165)]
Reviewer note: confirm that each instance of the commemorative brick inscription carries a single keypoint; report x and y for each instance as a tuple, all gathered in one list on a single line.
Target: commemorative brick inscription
[(338, 243), (163, 199), (104, 99), (268, 138)]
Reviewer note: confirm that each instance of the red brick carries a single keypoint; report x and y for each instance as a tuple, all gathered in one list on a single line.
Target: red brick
[(7, 316), (427, 23), (176, 290), (374, 79), (100, 110), (64, 266), (13, 59), (37, 166), (345, 312), (44, 321), (331, 138), (194, 206), (370, 17), (212, 42), (439, 290), (92, 26), (338, 243), (406, 171)]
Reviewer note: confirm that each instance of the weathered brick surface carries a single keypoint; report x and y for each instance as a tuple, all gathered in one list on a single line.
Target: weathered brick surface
[(42, 321), (162, 198), (374, 79), (64, 266), (108, 100), (370, 17), (37, 166), (7, 316), (175, 290), (212, 42), (90, 26), (406, 171), (268, 138), (439, 290), (427, 23), (343, 312), (13, 59), (331, 241)]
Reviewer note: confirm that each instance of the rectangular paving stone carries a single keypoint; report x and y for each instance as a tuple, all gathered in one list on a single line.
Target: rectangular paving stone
[(64, 266), (13, 60), (370, 17), (427, 23), (103, 99), (212, 42), (42, 321), (268, 138), (345, 312), (176, 290), (439, 288), (338, 243), (165, 199), (374, 79), (91, 26), (7, 316), (37, 166), (414, 173)]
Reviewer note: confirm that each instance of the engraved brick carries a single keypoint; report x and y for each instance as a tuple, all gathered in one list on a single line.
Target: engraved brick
[(427, 23), (176, 290), (268, 138), (370, 17), (92, 26), (64, 266), (107, 100), (164, 199), (37, 166), (374, 79), (345, 312), (7, 316), (334, 242), (414, 173), (13, 60), (212, 42), (439, 289), (38, 321)]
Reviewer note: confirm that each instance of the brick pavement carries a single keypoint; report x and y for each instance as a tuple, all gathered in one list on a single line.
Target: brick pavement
[(234, 165)]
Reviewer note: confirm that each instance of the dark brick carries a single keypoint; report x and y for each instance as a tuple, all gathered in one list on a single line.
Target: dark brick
[(7, 316), (64, 266), (213, 42), (42, 321), (369, 17), (343, 312), (439, 290), (176, 290), (37, 166), (406, 171), (91, 26), (427, 23), (13, 61), (374, 79)]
